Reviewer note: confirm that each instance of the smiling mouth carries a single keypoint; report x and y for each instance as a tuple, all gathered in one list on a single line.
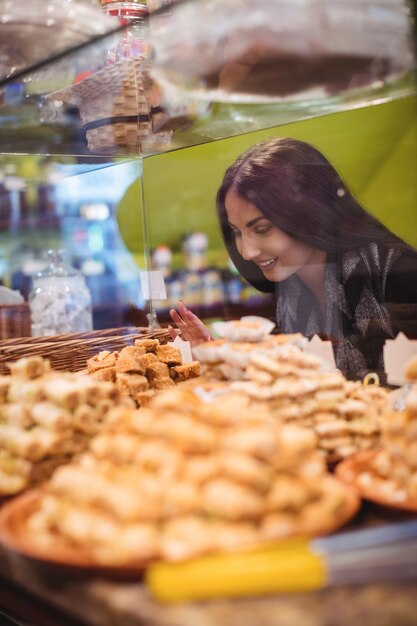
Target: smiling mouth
[(268, 264)]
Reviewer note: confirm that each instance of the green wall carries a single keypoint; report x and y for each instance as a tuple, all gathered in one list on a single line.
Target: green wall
[(374, 149)]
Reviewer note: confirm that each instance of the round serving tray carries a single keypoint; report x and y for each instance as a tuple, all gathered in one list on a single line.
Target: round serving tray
[(376, 489), (53, 550)]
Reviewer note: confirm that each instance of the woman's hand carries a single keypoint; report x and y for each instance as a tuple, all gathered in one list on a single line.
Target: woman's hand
[(191, 327)]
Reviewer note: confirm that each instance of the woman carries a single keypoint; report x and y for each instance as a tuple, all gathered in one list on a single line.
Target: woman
[(291, 226)]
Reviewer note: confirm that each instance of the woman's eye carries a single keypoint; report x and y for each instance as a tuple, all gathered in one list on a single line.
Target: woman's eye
[(263, 230), (235, 233)]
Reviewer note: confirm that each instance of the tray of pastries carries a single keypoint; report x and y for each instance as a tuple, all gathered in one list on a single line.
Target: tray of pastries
[(142, 370), (299, 388), (175, 480), (46, 418), (388, 476)]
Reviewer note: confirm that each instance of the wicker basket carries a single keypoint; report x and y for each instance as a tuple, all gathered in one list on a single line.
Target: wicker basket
[(117, 106), (70, 352), (14, 320)]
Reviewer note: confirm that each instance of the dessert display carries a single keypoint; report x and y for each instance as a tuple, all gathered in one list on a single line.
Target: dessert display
[(184, 477), (250, 328), (143, 459), (227, 358), (397, 461), (389, 475), (298, 388), (140, 371), (46, 417), (346, 416)]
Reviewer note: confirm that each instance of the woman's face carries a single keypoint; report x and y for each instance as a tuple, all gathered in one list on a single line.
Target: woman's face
[(276, 254)]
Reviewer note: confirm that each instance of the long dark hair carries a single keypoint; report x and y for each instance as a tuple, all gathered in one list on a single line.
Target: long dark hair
[(302, 194)]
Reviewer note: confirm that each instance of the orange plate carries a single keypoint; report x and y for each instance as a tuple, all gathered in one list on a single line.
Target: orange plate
[(350, 470), (57, 552), (347, 511), (15, 536)]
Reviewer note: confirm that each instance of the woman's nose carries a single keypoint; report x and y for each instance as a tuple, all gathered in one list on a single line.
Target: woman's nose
[(248, 250)]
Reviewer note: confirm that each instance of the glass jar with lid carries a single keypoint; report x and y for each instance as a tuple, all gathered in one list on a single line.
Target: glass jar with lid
[(60, 301)]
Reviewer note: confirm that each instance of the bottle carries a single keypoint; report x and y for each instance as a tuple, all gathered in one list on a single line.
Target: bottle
[(60, 301), (125, 10), (212, 287), (194, 249), (135, 39), (46, 200), (5, 209), (161, 260), (17, 199)]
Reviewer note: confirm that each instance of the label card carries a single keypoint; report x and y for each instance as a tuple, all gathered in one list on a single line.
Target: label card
[(153, 285), (396, 354), (321, 349), (184, 347)]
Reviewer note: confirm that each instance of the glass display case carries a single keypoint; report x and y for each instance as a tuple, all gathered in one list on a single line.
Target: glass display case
[(116, 137), (200, 161)]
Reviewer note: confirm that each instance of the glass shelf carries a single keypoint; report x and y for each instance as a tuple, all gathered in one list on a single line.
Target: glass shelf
[(116, 94)]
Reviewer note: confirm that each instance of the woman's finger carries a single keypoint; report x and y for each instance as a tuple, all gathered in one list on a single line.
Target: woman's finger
[(200, 328), (172, 332), (191, 317), (186, 319), (175, 317)]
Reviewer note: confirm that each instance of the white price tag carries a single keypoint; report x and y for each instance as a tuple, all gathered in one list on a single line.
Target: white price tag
[(184, 347), (396, 354), (321, 349), (153, 285)]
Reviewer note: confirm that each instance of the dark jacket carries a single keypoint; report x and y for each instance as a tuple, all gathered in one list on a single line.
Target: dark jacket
[(370, 294)]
